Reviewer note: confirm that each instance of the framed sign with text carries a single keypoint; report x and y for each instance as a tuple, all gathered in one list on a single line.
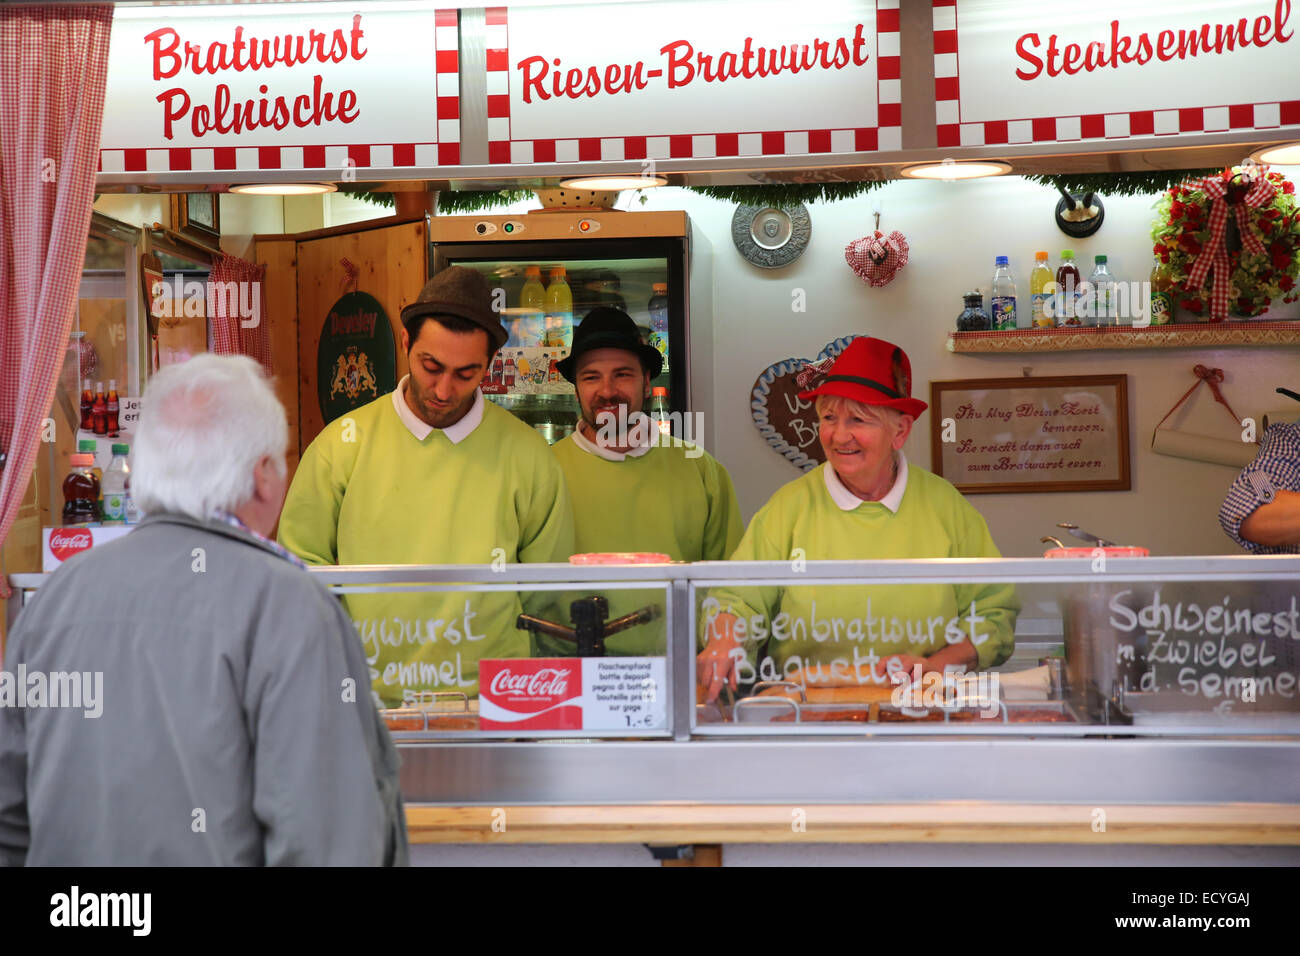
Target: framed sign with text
[(1008, 73), (998, 435), (281, 86), (693, 79)]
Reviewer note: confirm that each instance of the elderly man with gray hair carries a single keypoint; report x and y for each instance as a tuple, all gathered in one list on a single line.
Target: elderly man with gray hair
[(235, 725)]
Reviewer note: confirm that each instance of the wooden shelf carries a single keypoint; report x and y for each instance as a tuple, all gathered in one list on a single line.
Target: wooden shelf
[(1241, 823), (1190, 336)]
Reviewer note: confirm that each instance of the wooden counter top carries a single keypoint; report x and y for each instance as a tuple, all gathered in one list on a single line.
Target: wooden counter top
[(957, 822)]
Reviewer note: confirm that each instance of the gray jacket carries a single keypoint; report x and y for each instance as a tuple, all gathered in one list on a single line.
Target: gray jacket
[(236, 725)]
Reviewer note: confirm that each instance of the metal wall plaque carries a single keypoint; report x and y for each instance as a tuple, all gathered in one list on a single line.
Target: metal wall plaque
[(769, 236)]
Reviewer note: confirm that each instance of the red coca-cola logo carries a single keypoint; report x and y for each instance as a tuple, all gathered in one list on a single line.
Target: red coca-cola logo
[(535, 694), (64, 543), (547, 682)]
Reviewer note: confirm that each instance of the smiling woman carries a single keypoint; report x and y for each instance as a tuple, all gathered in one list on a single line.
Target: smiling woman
[(865, 502)]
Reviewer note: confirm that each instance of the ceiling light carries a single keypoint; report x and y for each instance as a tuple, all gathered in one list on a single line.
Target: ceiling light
[(1284, 154), (284, 189), (613, 182), (950, 170)]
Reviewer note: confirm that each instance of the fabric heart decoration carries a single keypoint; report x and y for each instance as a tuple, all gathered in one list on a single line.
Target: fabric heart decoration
[(877, 258), (786, 421)]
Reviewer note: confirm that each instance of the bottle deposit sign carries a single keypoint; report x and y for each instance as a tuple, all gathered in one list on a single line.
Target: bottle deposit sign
[(1055, 72), (1067, 433), (692, 78)]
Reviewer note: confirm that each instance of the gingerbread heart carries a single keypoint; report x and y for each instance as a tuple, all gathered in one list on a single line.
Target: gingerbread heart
[(877, 258), (786, 421)]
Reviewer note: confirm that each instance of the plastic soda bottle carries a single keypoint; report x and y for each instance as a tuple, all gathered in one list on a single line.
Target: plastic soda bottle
[(1068, 282), (116, 480), (1002, 296), (1039, 279), (527, 328), (81, 493), (659, 412), (658, 309), (559, 310)]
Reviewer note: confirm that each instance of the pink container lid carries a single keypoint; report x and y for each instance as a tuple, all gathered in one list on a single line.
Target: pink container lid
[(621, 557), (1111, 552)]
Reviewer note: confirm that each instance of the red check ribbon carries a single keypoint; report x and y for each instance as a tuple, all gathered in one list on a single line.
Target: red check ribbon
[(1215, 253), (812, 375), (350, 274)]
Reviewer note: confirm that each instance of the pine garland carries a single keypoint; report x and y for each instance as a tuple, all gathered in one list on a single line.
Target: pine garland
[(787, 194), (1146, 183)]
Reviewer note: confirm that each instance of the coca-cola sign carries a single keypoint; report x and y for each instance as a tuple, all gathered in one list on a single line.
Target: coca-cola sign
[(65, 542), (590, 693), (538, 694)]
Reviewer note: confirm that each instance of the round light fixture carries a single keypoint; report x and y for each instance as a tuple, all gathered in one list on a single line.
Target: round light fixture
[(613, 182), (283, 189), (1284, 154), (950, 170)]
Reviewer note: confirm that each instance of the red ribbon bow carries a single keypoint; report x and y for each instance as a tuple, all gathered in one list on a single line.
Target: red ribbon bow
[(1211, 377), (812, 375), (1215, 253)]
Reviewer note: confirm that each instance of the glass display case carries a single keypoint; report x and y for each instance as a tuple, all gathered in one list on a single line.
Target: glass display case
[(1136, 680)]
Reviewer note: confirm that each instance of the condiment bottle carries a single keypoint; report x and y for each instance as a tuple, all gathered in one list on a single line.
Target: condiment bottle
[(973, 318), (81, 493)]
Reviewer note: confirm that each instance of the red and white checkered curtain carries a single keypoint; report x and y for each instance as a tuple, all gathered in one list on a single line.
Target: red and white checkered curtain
[(53, 69), (239, 325)]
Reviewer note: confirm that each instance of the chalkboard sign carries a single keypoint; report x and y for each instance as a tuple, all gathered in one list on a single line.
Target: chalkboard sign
[(1188, 647)]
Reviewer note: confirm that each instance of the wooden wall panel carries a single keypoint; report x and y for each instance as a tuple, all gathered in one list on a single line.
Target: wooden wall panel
[(280, 256), (393, 267)]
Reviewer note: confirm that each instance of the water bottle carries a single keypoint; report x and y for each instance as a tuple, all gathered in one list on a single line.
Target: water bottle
[(1002, 297), (658, 309), (116, 480), (1102, 294)]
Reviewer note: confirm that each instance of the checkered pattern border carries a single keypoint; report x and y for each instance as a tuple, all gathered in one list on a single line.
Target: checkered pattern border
[(884, 137), (445, 152), (1071, 129)]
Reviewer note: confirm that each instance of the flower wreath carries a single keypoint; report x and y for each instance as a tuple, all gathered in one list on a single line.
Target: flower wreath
[(1247, 228)]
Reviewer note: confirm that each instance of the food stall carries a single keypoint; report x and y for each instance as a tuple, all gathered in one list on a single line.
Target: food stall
[(1098, 734)]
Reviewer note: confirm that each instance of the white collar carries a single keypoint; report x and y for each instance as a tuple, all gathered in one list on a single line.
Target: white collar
[(846, 500), (420, 429), (591, 448)]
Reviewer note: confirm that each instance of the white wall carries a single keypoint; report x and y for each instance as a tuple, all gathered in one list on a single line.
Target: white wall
[(954, 231)]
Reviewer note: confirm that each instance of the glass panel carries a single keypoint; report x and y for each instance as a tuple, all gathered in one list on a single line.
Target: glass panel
[(1153, 656), (540, 317), (516, 660)]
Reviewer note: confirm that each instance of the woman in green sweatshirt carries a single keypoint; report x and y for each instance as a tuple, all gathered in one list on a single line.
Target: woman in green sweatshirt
[(865, 502)]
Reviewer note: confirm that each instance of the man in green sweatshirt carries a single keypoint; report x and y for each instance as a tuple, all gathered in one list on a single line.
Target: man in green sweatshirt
[(635, 489), (433, 474)]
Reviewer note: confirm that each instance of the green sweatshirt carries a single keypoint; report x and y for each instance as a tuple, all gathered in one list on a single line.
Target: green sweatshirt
[(368, 491), (673, 499), (855, 625)]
